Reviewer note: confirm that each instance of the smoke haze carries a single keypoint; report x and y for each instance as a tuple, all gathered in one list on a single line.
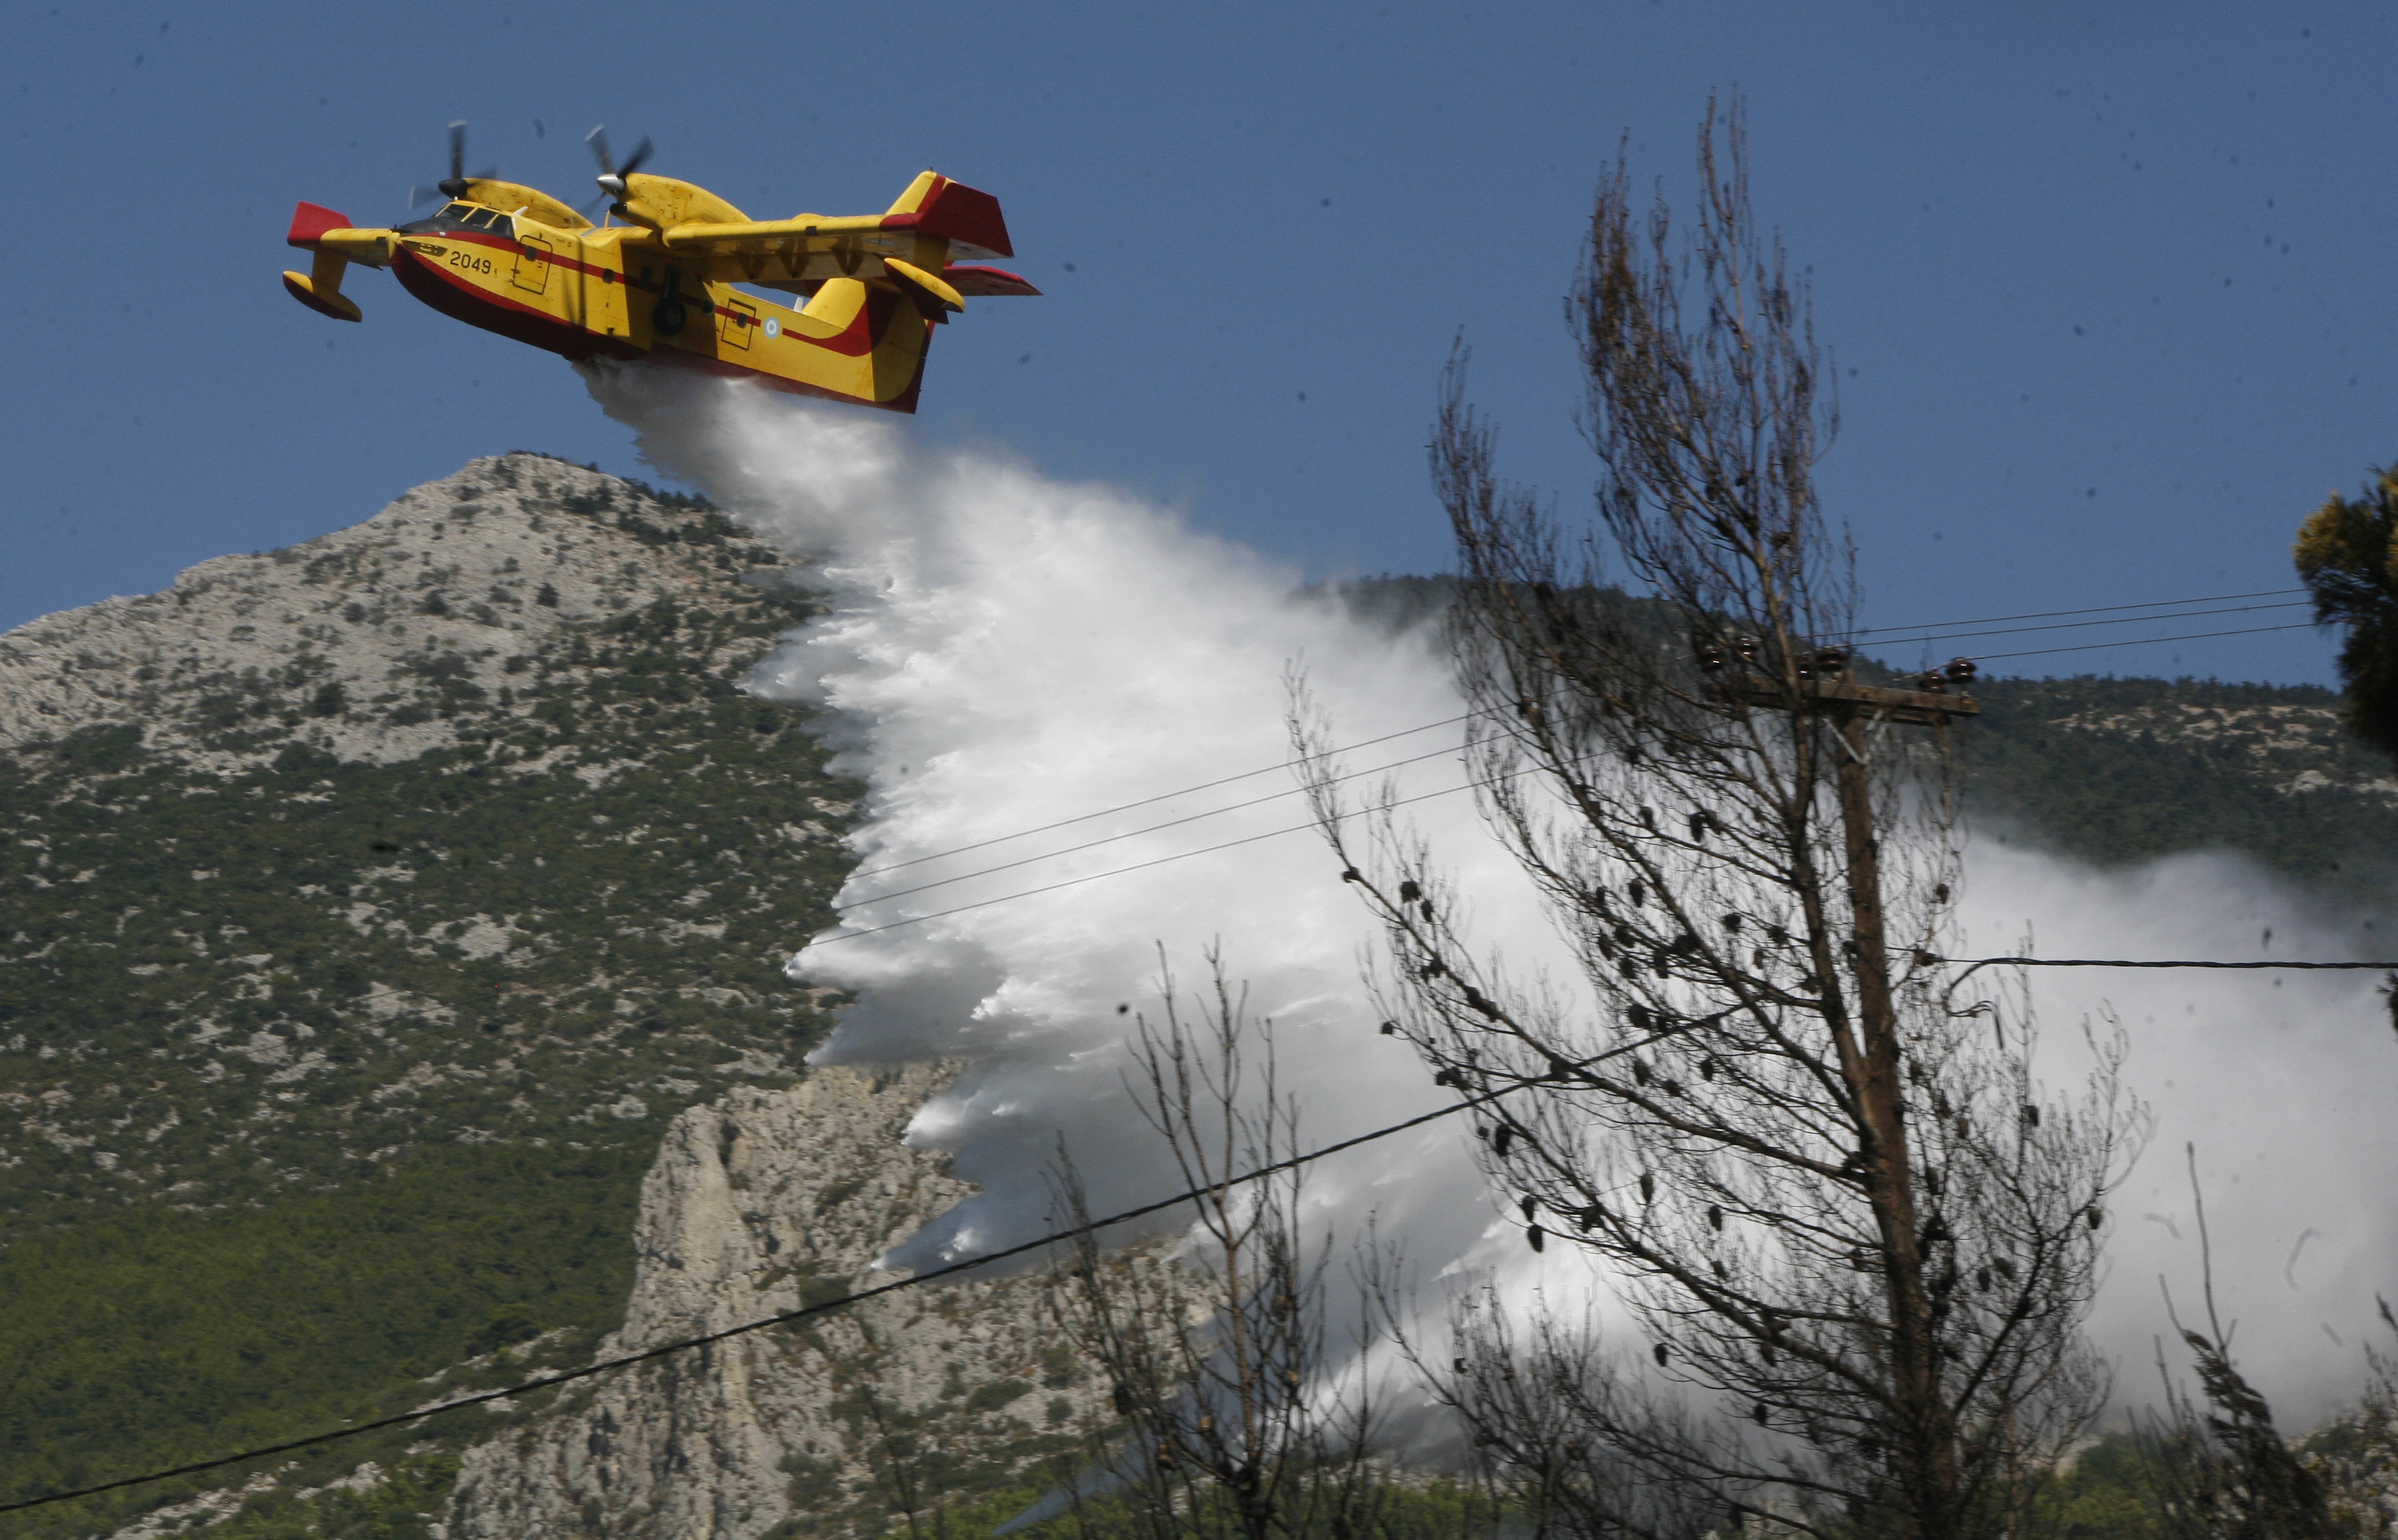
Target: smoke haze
[(1004, 652)]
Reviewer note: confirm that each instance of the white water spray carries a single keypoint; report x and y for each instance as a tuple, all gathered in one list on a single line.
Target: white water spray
[(1005, 652)]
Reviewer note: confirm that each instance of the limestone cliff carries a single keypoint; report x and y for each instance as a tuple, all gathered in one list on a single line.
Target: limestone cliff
[(758, 1203)]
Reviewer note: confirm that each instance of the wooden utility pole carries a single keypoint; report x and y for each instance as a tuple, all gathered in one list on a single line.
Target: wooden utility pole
[(1875, 1071)]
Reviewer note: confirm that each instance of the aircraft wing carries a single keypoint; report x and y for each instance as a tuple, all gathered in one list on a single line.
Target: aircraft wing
[(812, 247), (804, 234)]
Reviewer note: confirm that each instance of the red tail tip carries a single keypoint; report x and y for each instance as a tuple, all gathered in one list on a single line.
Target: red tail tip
[(967, 215), (310, 220)]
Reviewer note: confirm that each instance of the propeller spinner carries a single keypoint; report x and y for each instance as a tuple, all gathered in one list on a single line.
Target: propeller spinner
[(455, 184), (612, 175)]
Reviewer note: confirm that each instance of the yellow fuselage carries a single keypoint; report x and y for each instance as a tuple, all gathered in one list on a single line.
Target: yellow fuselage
[(662, 283), (620, 293)]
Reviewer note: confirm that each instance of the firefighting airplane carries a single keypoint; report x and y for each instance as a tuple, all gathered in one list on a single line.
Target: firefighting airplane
[(514, 260)]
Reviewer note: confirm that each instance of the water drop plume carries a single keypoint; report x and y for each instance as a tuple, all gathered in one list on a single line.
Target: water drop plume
[(1003, 650)]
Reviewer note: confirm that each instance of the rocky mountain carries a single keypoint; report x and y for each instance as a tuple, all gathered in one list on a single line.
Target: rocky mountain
[(2292, 747), (457, 809), (372, 907), (758, 1202), (393, 1008)]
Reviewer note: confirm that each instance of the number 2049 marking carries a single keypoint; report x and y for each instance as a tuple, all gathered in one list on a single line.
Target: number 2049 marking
[(471, 262)]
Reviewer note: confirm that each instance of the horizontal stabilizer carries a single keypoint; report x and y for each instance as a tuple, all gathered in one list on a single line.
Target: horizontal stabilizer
[(936, 292), (986, 281)]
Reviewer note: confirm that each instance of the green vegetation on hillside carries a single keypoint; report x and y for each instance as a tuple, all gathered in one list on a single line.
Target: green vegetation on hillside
[(325, 1077), (2116, 771), (224, 987), (159, 1335)]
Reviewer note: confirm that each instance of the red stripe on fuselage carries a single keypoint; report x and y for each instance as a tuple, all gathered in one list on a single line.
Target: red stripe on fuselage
[(431, 282), (855, 341)]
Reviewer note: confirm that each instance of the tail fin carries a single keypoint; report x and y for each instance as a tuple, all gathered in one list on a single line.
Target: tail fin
[(310, 220), (968, 220)]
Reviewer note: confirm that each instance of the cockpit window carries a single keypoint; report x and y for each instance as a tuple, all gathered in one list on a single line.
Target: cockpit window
[(463, 216)]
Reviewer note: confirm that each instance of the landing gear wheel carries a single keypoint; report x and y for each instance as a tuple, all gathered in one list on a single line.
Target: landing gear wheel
[(668, 318)]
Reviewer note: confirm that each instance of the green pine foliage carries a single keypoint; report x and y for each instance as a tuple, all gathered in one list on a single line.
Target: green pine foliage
[(2347, 555)]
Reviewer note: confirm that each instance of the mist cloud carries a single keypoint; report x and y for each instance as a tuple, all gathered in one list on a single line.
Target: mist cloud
[(1005, 651)]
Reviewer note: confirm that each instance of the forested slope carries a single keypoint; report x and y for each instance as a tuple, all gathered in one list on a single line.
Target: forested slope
[(370, 908), (373, 906), (2119, 769), (2113, 769)]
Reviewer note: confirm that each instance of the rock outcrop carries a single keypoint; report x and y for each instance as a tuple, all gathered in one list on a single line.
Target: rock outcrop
[(448, 583), (454, 828), (339, 840), (760, 1203)]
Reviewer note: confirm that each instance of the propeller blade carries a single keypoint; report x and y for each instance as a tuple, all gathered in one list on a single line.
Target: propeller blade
[(612, 175), (455, 183), (419, 196)]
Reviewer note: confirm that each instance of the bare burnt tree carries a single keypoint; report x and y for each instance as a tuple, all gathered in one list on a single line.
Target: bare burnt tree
[(1526, 1395), (1846, 1221), (1233, 1424)]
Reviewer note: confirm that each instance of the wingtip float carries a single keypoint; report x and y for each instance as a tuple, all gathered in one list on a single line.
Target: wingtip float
[(511, 259)]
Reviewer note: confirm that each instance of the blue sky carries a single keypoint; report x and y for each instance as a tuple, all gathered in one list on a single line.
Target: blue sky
[(2108, 286)]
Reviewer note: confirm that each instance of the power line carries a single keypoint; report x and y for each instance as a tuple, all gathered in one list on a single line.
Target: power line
[(1135, 834), (913, 1280), (1161, 797), (1119, 871), (2132, 962), (1250, 839), (2144, 641), (1970, 966), (1247, 775), (2076, 625), (2094, 609)]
